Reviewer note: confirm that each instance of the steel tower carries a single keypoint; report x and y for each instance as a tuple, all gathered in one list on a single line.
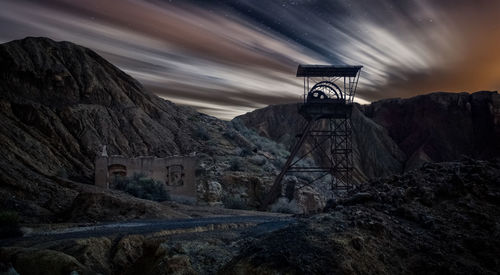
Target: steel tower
[(326, 136)]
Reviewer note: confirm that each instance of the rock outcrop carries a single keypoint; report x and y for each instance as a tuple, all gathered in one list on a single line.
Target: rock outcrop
[(41, 261)]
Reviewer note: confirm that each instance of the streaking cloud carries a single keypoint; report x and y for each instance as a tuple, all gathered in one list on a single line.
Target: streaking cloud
[(229, 57)]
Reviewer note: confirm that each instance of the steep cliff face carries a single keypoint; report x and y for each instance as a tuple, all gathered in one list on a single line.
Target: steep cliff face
[(441, 126), (60, 102), (393, 135)]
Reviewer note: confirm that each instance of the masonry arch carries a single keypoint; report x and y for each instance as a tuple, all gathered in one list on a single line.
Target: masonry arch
[(175, 175), (117, 171)]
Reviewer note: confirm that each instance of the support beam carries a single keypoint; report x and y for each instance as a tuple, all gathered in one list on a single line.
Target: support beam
[(275, 191)]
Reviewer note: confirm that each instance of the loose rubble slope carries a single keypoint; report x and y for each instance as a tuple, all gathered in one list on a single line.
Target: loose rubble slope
[(440, 219)]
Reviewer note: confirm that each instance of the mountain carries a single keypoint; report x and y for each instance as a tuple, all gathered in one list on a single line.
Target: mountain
[(396, 135), (67, 101), (441, 126), (60, 103)]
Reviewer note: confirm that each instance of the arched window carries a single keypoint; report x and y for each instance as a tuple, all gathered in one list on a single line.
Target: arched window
[(117, 171), (175, 175)]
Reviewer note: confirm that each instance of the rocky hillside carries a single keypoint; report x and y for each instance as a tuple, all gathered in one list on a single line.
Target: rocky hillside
[(439, 219), (60, 102), (396, 135), (441, 126)]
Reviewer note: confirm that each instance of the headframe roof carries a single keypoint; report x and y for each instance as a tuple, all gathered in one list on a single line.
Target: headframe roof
[(327, 70)]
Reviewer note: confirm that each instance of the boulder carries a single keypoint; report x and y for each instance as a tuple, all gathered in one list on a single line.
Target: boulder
[(41, 261)]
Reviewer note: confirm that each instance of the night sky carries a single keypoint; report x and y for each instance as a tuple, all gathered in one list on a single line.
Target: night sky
[(229, 57)]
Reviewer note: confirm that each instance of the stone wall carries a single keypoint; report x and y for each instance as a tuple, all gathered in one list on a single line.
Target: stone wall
[(177, 173)]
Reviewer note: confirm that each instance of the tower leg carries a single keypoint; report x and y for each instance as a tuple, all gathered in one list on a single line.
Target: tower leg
[(341, 153), (275, 191), (331, 143)]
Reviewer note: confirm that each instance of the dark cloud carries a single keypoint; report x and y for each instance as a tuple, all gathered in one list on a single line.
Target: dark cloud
[(229, 57)]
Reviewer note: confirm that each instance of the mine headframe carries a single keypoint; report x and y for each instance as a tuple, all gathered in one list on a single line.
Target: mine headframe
[(325, 138)]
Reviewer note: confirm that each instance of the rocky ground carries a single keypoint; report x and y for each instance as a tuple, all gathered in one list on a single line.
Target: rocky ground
[(441, 219), (193, 246)]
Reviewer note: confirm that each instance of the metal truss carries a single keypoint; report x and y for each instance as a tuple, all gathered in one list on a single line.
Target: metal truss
[(326, 136)]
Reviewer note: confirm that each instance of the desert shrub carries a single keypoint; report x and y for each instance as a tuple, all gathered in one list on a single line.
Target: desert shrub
[(235, 164), (232, 202), (194, 118), (62, 173), (201, 133), (262, 143), (278, 162), (258, 160), (9, 224), (142, 187), (245, 152), (228, 135), (269, 167), (308, 177)]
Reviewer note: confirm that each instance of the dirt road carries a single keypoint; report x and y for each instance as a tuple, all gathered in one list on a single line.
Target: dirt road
[(256, 225)]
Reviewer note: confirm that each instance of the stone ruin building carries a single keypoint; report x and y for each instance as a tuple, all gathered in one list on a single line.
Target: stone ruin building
[(176, 172)]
